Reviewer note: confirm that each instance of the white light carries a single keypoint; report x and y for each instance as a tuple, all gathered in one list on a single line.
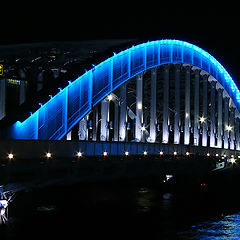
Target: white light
[(110, 97), (79, 154), (238, 156), (48, 155), (139, 105), (187, 153), (143, 128), (202, 119), (10, 156), (126, 153), (228, 128), (187, 115), (225, 155), (145, 153), (161, 153), (175, 153), (217, 155), (208, 154), (232, 156), (105, 154)]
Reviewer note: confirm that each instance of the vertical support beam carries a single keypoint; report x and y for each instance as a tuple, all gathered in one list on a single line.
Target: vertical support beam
[(196, 108), (237, 126), (83, 131), (22, 92), (123, 113), (153, 105), (232, 124), (165, 132), (95, 123), (226, 125), (40, 81), (220, 125), (2, 98), (115, 125), (177, 105), (104, 120), (187, 106), (212, 114), (204, 110), (139, 108)]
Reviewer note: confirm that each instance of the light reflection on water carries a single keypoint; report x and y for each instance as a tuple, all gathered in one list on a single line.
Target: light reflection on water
[(227, 227)]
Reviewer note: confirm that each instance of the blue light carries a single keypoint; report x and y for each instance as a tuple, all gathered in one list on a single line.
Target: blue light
[(56, 117)]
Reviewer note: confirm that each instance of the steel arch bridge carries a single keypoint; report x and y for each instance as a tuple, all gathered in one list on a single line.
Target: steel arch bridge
[(55, 118)]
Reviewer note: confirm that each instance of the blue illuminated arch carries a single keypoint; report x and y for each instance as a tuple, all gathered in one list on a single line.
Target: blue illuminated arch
[(55, 118)]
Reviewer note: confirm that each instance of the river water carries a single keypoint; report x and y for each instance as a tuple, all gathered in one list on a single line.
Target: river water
[(122, 211)]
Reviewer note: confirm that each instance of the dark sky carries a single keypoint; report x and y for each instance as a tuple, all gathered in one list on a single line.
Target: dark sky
[(214, 29)]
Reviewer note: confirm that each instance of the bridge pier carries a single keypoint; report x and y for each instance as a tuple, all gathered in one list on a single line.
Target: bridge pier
[(139, 109), (212, 114), (177, 105), (204, 110), (104, 134), (220, 125), (153, 106), (232, 124), (196, 107), (165, 129), (226, 124), (123, 112), (187, 106)]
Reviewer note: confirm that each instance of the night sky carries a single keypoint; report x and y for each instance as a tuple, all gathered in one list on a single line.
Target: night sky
[(216, 30)]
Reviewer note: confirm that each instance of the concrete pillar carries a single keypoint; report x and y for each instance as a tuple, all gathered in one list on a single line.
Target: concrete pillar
[(212, 114), (204, 110), (165, 132), (83, 131), (237, 132), (2, 98), (196, 108), (22, 92), (104, 131), (123, 113), (220, 125), (95, 123), (232, 124), (187, 106), (226, 124), (115, 125), (177, 105), (153, 107), (139, 108)]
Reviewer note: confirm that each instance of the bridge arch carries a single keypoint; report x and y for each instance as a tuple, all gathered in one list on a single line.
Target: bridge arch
[(56, 117)]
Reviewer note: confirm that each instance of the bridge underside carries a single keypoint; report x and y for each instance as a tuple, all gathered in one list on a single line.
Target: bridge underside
[(172, 104)]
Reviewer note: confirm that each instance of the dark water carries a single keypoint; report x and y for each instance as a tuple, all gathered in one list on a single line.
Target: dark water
[(122, 211)]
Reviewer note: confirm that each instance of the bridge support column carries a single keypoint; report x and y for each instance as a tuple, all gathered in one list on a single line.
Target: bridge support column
[(237, 126), (204, 110), (139, 108), (22, 92), (187, 106), (123, 113), (153, 105), (212, 114), (95, 123), (115, 125), (2, 98), (226, 125), (165, 133), (220, 125), (104, 134), (83, 131), (232, 124), (177, 105), (196, 108)]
